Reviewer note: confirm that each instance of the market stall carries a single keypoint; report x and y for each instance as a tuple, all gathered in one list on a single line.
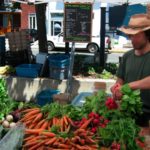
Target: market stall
[(97, 123)]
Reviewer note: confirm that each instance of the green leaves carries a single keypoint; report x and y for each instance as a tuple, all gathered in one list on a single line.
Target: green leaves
[(131, 103), (123, 131), (126, 89), (6, 103)]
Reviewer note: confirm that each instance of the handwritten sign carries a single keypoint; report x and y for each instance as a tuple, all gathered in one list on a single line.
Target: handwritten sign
[(78, 22)]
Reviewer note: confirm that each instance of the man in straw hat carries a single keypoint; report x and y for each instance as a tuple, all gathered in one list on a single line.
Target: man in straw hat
[(134, 67)]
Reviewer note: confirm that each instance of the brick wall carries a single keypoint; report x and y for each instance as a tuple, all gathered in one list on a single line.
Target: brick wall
[(26, 9)]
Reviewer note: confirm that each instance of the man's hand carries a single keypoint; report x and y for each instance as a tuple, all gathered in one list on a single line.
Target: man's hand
[(116, 91)]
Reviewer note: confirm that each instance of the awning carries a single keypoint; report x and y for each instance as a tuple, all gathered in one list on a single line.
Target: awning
[(10, 12), (83, 1)]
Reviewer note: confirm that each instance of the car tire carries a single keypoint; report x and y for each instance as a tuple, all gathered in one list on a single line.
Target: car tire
[(50, 46), (92, 47)]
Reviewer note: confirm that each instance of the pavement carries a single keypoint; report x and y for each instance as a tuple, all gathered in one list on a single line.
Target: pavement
[(119, 50)]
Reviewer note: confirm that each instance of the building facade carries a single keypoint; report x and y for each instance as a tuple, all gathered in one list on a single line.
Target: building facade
[(10, 16), (28, 17), (24, 17)]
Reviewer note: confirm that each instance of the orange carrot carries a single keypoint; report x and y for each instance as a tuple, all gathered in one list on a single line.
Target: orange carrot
[(24, 119), (70, 121), (28, 138), (61, 145), (30, 144), (79, 147), (78, 131), (94, 146), (31, 126), (33, 131), (51, 141), (90, 147), (89, 140), (37, 145), (41, 148), (65, 120), (54, 121), (39, 124), (38, 117), (44, 125), (61, 125), (33, 139), (86, 123), (29, 109), (28, 118), (31, 113), (49, 134)]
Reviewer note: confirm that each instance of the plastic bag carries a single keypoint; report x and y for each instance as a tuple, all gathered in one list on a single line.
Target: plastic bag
[(1, 129), (13, 139)]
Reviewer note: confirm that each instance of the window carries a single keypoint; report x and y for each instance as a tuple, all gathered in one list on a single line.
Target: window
[(56, 23), (32, 21)]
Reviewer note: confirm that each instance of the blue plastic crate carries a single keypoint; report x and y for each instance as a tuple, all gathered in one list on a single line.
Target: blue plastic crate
[(80, 98), (28, 70), (58, 60), (58, 73), (46, 96)]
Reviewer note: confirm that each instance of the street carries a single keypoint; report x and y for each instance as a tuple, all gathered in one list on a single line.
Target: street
[(112, 57)]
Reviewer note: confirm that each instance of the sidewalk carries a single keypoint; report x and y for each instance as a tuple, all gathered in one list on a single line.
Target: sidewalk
[(119, 50)]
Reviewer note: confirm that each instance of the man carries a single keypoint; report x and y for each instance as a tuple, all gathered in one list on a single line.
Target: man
[(134, 67)]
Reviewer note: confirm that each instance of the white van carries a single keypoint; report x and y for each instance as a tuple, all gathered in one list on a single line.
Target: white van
[(92, 47)]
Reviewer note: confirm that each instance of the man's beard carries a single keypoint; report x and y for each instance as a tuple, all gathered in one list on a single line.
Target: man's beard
[(139, 46)]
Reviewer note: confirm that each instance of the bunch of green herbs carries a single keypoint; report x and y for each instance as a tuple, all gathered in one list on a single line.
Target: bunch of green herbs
[(7, 105)]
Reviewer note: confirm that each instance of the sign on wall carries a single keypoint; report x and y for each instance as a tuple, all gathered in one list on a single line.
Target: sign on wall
[(78, 22)]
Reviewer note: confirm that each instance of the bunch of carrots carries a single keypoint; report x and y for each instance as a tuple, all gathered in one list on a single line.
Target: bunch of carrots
[(39, 139), (33, 118), (39, 132)]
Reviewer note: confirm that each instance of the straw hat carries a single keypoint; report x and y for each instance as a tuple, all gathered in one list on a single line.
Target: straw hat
[(137, 23)]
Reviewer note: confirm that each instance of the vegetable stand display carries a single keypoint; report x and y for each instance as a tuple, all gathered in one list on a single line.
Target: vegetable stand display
[(100, 123)]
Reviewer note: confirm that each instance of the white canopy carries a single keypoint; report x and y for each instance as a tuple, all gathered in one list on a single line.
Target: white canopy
[(119, 2)]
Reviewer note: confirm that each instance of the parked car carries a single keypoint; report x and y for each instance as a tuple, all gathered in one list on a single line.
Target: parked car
[(93, 46)]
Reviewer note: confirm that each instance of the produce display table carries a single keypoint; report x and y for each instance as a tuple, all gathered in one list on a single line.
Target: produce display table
[(100, 123)]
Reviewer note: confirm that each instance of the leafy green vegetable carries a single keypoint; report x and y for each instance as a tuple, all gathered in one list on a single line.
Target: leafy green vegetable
[(53, 110), (6, 103), (123, 131), (131, 103)]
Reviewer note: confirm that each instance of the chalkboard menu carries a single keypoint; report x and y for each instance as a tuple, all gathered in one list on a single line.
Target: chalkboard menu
[(77, 22)]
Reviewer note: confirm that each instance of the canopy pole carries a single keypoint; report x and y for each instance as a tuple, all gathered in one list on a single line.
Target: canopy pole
[(102, 37), (69, 81)]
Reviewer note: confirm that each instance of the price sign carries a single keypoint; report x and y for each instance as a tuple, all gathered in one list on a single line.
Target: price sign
[(78, 22)]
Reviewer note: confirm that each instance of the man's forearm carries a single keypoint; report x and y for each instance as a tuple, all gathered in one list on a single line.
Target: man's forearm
[(140, 84)]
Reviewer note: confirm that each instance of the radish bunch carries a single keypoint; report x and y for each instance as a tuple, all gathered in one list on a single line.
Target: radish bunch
[(97, 121)]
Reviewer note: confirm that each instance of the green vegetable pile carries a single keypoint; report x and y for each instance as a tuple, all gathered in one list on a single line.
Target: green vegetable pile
[(7, 105)]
